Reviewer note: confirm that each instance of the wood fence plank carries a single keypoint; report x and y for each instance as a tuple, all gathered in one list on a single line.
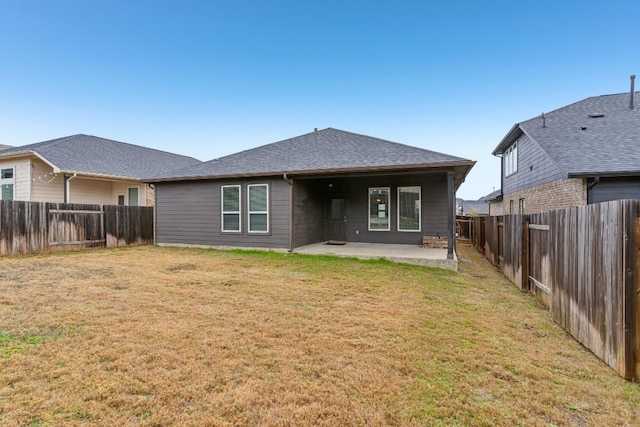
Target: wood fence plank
[(628, 347), (543, 227), (588, 259), (632, 293), (33, 227)]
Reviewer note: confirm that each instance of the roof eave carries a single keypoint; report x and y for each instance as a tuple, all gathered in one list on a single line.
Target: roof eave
[(16, 154), (508, 139), (601, 174), (462, 163), (100, 175), (29, 153)]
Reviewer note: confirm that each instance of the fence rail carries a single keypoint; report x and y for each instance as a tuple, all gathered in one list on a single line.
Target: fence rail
[(582, 263), (33, 227)]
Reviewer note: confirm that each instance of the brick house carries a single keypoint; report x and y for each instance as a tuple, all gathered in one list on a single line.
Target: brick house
[(583, 153)]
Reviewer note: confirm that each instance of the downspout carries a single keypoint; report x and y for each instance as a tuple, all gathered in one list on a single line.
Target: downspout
[(590, 185), (502, 177), (290, 182), (67, 187)]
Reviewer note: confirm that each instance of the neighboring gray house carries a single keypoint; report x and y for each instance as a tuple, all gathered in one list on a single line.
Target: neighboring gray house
[(586, 152), (84, 169), (327, 185), (473, 207)]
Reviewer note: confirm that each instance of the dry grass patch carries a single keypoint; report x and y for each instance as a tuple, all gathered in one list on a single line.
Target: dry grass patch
[(162, 336)]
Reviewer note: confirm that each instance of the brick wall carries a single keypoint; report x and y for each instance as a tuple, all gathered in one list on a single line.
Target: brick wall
[(151, 195), (560, 194)]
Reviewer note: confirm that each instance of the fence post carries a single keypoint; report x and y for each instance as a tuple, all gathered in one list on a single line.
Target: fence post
[(496, 243), (524, 254), (631, 291), (637, 296)]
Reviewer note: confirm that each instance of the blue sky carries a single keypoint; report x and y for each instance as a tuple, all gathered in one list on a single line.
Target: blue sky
[(209, 78)]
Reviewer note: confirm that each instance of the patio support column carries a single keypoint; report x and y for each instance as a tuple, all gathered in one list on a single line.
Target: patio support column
[(451, 205), (290, 182)]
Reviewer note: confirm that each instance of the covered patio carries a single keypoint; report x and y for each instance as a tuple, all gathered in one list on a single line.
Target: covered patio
[(410, 254)]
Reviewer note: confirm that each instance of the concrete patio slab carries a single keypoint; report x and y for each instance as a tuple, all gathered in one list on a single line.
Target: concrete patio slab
[(410, 254)]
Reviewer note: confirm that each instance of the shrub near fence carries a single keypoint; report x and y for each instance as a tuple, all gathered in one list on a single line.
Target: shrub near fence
[(583, 263), (33, 227)]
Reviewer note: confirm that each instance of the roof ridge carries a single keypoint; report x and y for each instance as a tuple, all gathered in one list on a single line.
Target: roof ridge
[(217, 159), (133, 145), (396, 143), (54, 141), (35, 146), (577, 102)]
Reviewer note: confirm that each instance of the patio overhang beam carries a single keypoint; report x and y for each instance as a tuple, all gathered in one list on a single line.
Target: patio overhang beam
[(462, 168), (458, 174), (367, 174)]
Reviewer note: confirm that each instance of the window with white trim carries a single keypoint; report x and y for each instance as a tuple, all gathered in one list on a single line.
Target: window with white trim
[(409, 208), (258, 207), (230, 195), (6, 184), (379, 199), (510, 159)]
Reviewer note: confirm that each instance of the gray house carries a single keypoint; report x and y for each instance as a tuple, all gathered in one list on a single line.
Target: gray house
[(328, 185), (583, 153), (472, 207)]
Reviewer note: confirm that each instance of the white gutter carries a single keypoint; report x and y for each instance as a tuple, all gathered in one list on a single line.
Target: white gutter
[(68, 188)]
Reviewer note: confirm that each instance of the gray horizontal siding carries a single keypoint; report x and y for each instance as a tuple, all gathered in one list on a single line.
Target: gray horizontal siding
[(433, 209), (189, 213), (311, 204), (308, 212), (535, 167), (614, 189)]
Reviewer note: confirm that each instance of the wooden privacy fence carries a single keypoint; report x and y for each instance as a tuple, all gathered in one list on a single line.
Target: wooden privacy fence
[(32, 227), (583, 264)]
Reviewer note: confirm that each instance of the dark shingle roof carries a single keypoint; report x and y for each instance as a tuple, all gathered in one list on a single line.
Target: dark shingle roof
[(490, 196), (318, 152), (474, 206), (93, 155), (583, 145)]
